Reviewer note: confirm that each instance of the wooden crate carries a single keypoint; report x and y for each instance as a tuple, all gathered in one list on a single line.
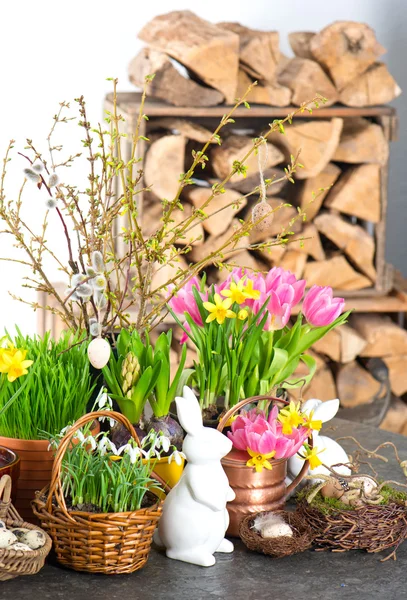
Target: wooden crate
[(256, 120)]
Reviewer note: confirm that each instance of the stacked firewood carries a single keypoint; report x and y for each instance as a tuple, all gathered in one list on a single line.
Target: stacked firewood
[(220, 62), (336, 245)]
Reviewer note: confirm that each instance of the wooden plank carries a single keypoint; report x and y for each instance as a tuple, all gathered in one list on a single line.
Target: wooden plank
[(130, 102)]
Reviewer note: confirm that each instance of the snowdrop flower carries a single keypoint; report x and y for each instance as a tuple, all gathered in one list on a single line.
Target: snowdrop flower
[(177, 456), (51, 202), (105, 445), (104, 402), (90, 441), (64, 431), (163, 442), (133, 451)]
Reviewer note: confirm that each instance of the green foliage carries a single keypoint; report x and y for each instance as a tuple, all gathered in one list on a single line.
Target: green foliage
[(55, 391)]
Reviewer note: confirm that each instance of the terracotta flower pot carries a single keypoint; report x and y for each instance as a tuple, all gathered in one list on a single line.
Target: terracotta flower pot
[(10, 465), (36, 460)]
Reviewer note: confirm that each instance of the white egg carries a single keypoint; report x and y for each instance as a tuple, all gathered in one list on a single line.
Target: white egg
[(34, 539), (274, 530), (19, 546), (99, 353), (6, 538)]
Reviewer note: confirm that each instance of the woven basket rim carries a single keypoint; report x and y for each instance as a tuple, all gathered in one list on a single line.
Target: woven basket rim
[(92, 515), (6, 553)]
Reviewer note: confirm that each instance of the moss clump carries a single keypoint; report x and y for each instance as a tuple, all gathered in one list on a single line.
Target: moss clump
[(331, 505)]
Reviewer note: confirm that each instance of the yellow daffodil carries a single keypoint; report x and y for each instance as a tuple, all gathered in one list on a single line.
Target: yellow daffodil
[(290, 417), (311, 454), (310, 424), (230, 420), (249, 292), (242, 314), (14, 364), (220, 310), (260, 461), (235, 292)]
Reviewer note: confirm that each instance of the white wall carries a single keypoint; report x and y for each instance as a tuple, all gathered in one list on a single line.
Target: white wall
[(52, 51)]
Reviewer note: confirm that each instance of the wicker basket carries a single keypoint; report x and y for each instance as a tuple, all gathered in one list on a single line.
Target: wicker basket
[(109, 543), (17, 562), (373, 528), (282, 546)]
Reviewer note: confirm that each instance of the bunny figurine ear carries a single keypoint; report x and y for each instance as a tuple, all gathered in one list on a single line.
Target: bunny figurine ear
[(327, 410), (310, 405), (189, 411)]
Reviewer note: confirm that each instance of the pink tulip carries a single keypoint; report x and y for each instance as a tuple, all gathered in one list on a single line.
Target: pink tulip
[(279, 310), (320, 308), (279, 279), (184, 302)]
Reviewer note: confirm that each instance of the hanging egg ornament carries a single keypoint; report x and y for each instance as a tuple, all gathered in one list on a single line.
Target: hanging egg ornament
[(262, 211), (99, 353)]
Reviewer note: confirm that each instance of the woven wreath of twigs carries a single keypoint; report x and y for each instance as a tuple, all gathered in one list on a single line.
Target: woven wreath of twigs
[(107, 543), (18, 562), (370, 528), (282, 546)]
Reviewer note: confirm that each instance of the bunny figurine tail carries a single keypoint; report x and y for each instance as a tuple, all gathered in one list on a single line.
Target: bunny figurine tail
[(194, 520)]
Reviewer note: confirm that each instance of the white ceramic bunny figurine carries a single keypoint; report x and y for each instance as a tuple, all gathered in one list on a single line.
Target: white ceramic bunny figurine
[(332, 452), (195, 518)]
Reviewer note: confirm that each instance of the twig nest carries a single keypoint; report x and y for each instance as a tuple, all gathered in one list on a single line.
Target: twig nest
[(262, 211), (99, 353), (7, 538)]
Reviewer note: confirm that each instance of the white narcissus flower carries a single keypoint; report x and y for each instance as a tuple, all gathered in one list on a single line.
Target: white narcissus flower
[(177, 456)]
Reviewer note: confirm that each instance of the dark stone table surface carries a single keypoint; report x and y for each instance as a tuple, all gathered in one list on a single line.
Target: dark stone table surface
[(243, 575)]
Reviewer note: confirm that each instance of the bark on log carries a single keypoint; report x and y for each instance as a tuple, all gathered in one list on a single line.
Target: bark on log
[(300, 43), (305, 77), (209, 51), (355, 241), (357, 193), (211, 245), (168, 83), (294, 261), (383, 336), (396, 417), (234, 148), (251, 182), (221, 220), (337, 273), (375, 86), (346, 49), (317, 141), (342, 345), (397, 366), (164, 163), (362, 142), (259, 50), (325, 179)]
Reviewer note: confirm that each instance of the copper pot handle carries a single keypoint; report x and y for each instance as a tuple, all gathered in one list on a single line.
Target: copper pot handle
[(243, 403)]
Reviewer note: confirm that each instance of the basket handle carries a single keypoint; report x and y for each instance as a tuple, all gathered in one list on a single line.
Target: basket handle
[(55, 488), (5, 489), (243, 403)]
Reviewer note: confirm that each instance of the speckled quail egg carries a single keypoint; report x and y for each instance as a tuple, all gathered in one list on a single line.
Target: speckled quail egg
[(6, 538), (2, 525), (19, 532), (19, 546), (34, 539)]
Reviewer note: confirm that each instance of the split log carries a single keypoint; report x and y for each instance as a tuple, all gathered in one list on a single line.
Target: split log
[(188, 129), (272, 255), (362, 142), (294, 261), (269, 93), (322, 385), (396, 417), (355, 241), (284, 60), (356, 385), (346, 49), (207, 50), (357, 193), (241, 259), (251, 182), (337, 273), (300, 43), (325, 179), (195, 233), (342, 345), (164, 163), (168, 83), (305, 77), (283, 214), (234, 148), (259, 50), (165, 272), (211, 245), (309, 242), (375, 86), (317, 141), (221, 220), (383, 336), (397, 366)]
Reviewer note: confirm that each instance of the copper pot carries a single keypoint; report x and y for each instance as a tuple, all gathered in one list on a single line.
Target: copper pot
[(255, 492)]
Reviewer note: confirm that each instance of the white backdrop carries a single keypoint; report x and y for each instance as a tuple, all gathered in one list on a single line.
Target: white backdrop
[(53, 51)]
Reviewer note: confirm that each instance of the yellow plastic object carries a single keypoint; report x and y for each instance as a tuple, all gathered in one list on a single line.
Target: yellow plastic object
[(170, 473)]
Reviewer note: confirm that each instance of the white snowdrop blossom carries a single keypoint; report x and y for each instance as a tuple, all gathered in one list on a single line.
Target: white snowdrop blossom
[(177, 456), (90, 441), (164, 442), (134, 452), (105, 445), (104, 402)]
